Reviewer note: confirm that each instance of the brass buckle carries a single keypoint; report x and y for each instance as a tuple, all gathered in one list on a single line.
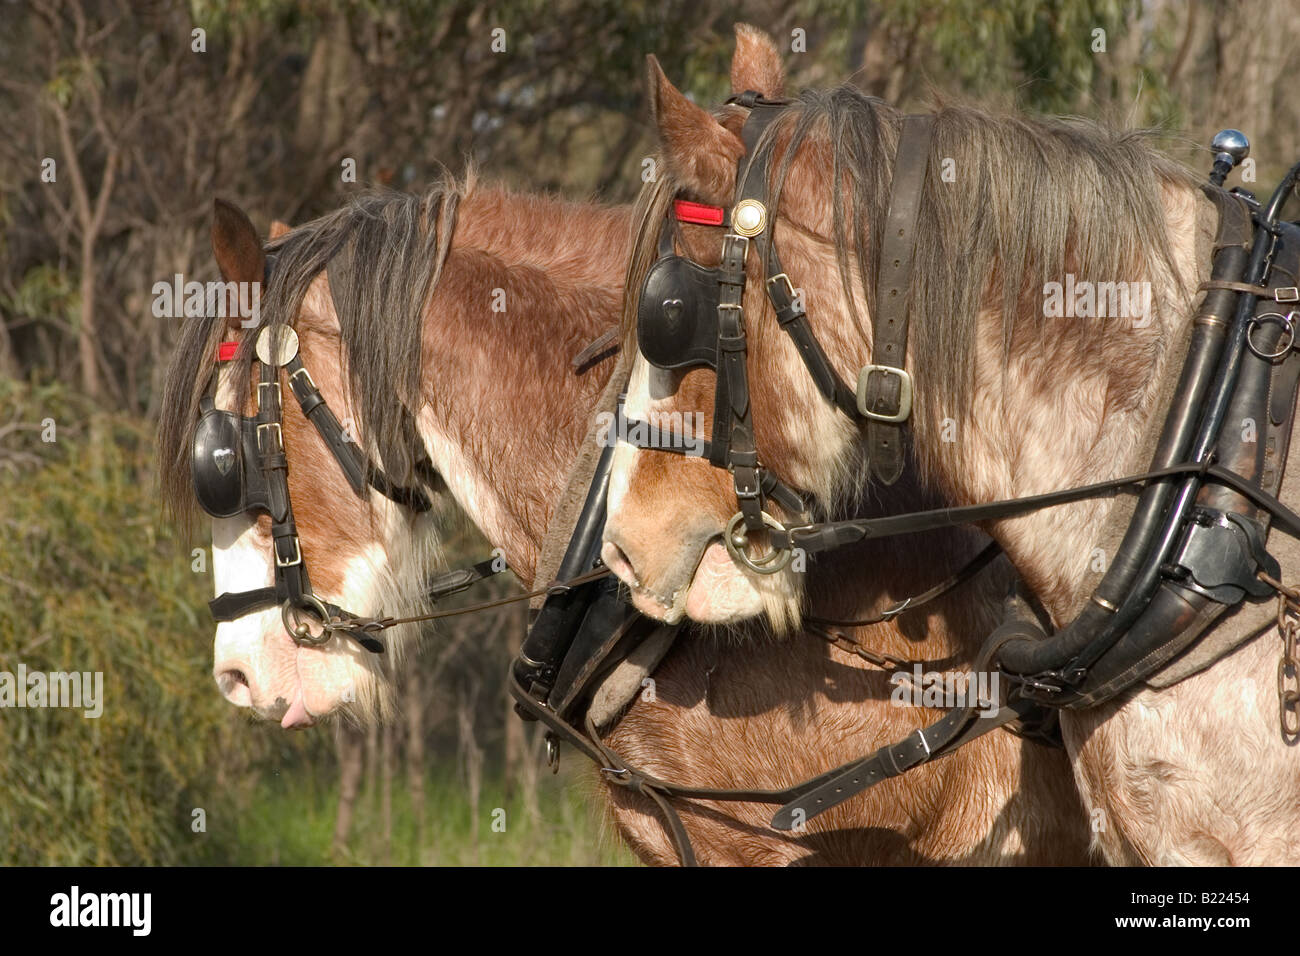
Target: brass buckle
[(295, 560), (904, 410), (279, 437), (279, 396), (788, 284), (302, 370)]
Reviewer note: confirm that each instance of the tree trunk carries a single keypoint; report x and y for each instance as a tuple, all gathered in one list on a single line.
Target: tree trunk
[(87, 337), (389, 748), (415, 752), (350, 745)]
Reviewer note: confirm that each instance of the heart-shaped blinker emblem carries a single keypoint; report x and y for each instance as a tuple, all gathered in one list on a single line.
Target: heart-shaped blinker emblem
[(224, 459), (672, 309)]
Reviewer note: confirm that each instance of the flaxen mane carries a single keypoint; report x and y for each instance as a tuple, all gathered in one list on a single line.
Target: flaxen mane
[(383, 253)]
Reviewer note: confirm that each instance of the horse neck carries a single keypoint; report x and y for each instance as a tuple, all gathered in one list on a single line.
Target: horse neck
[(528, 283), (1062, 409)]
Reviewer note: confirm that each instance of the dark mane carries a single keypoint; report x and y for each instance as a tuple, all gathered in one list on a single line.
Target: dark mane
[(383, 253), (1034, 198)]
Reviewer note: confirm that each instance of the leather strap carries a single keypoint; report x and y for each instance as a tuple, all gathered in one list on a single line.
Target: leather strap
[(793, 320), (602, 346), (1280, 294), (453, 582), (833, 534), (928, 743), (959, 577), (884, 392), (356, 468), (657, 439)]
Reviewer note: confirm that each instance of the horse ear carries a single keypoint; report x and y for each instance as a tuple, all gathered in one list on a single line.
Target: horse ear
[(700, 153), (235, 244), (279, 229), (756, 64), (239, 253)]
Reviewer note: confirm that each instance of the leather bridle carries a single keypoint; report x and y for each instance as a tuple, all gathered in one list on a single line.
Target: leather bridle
[(239, 466), (1183, 560), (883, 396)]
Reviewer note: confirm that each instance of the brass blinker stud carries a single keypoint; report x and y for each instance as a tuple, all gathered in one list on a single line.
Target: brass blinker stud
[(749, 218)]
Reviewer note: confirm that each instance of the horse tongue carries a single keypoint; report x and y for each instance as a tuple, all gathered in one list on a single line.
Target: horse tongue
[(297, 717)]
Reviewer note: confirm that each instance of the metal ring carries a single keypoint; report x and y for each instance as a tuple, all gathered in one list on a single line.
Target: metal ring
[(772, 562), (1288, 330), (298, 629)]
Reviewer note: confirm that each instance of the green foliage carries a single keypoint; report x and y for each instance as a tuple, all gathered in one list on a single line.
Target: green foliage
[(93, 581), (45, 291)]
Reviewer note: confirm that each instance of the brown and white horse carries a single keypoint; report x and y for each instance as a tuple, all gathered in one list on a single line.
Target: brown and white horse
[(519, 285), (1007, 404)]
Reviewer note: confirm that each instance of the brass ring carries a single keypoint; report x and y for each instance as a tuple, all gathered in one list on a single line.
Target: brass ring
[(298, 629), (772, 562)]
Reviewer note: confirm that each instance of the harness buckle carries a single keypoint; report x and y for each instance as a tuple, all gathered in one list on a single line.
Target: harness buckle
[(903, 407), (278, 394), (279, 437), (289, 562), (747, 491), (302, 370), (788, 284)]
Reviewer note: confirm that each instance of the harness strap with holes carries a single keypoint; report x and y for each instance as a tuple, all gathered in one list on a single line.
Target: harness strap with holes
[(885, 388)]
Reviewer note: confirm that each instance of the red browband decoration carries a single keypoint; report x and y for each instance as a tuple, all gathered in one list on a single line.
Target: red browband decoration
[(697, 213), (226, 351)]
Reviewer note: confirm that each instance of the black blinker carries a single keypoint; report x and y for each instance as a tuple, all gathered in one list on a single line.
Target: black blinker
[(677, 319)]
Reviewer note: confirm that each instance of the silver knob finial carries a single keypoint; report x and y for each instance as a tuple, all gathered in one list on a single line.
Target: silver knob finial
[(1230, 145)]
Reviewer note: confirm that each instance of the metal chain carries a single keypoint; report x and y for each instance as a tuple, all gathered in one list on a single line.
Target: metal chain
[(1288, 670), (850, 645)]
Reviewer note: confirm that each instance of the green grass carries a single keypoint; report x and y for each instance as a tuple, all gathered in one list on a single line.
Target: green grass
[(290, 822)]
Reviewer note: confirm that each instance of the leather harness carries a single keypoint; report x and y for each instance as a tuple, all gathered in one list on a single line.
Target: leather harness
[(1194, 548)]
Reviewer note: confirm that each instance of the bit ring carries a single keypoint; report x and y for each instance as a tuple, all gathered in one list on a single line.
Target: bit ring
[(299, 629), (771, 563)]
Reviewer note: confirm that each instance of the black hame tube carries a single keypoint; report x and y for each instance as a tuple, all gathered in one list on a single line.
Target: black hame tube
[(557, 621), (1204, 353), (1096, 629), (1176, 614)]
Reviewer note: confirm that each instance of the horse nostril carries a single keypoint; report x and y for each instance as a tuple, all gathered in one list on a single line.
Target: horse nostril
[(233, 684), (618, 562)]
